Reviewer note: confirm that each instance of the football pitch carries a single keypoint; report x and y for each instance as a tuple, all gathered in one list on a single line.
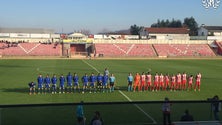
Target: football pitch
[(17, 73)]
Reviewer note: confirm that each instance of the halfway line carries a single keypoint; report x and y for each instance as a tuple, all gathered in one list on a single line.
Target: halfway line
[(154, 122), (91, 66)]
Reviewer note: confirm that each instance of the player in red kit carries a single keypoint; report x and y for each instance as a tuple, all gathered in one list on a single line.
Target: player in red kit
[(190, 82), (149, 81), (184, 80), (143, 81), (178, 80), (197, 85), (167, 79), (156, 82), (161, 82), (173, 83)]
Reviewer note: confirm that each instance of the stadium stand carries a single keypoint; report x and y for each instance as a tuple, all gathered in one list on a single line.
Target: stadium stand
[(111, 49), (142, 50), (183, 50), (219, 47), (125, 49), (30, 49), (162, 50)]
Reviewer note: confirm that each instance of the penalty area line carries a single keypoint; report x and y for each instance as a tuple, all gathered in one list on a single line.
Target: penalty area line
[(138, 107)]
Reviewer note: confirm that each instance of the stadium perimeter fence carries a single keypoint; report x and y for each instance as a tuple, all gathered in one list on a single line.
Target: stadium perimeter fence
[(112, 113)]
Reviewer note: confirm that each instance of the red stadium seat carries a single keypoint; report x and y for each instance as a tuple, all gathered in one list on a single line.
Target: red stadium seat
[(32, 49)]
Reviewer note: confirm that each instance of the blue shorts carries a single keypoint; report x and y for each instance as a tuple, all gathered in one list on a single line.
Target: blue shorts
[(54, 85), (40, 86), (76, 84), (104, 83), (92, 84), (69, 84), (85, 84), (62, 86), (47, 85)]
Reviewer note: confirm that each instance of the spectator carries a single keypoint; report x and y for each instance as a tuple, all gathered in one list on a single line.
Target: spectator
[(186, 116), (80, 114), (97, 120), (216, 107), (166, 111)]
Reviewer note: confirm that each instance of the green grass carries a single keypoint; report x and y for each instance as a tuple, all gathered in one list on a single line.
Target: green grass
[(15, 75)]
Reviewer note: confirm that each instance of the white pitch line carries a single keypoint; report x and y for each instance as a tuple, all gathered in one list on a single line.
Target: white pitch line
[(138, 107), (125, 96), (154, 121), (91, 66)]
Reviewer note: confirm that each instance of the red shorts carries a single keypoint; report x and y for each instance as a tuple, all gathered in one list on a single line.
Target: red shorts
[(198, 83), (156, 83), (184, 82), (149, 83), (161, 84), (142, 83), (167, 83)]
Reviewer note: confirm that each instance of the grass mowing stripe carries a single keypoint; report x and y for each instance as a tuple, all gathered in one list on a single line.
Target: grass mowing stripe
[(42, 71), (154, 122)]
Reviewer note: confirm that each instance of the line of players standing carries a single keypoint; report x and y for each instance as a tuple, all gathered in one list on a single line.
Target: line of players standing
[(163, 82), (95, 83)]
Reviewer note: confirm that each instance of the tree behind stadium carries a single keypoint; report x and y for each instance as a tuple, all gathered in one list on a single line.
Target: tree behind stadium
[(189, 22), (135, 30), (192, 25)]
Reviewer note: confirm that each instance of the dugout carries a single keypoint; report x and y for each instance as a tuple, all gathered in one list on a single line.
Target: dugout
[(77, 49)]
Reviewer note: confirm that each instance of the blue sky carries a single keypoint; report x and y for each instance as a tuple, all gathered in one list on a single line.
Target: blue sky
[(100, 15)]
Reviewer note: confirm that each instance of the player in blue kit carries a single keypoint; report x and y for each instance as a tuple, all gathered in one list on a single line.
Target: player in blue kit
[(54, 86), (31, 88), (47, 82), (105, 83), (69, 83), (40, 81), (130, 82), (62, 84), (99, 81), (92, 81), (76, 82), (85, 80), (112, 82)]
